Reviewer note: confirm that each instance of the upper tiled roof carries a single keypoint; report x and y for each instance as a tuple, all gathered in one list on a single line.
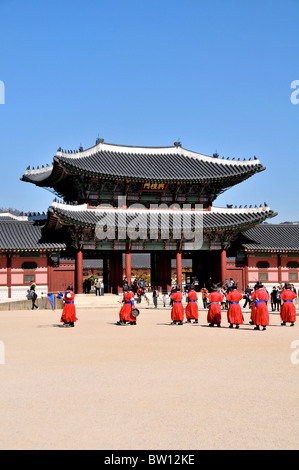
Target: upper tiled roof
[(168, 164), (25, 236), (272, 237)]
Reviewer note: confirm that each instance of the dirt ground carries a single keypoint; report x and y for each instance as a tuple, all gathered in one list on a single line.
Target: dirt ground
[(151, 386)]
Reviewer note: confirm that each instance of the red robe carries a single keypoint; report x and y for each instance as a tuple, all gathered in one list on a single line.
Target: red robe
[(214, 312), (177, 312), (288, 309), (234, 313), (261, 316), (191, 309), (125, 313), (69, 309)]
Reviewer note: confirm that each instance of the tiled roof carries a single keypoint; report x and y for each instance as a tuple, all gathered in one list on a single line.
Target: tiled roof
[(25, 235), (272, 237), (147, 163), (217, 218)]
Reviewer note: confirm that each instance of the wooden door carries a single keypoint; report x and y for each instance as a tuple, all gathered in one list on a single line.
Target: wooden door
[(62, 279)]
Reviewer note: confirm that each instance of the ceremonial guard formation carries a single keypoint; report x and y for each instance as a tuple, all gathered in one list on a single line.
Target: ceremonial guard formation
[(259, 313)]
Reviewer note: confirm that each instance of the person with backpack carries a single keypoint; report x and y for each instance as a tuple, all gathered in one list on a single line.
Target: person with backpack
[(33, 295), (155, 296)]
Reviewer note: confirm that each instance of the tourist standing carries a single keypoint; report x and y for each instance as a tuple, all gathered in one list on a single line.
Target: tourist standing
[(214, 312), (247, 295), (273, 298), (288, 309), (33, 295), (191, 309), (97, 285), (177, 312), (204, 294), (139, 294), (234, 313), (278, 299), (155, 297)]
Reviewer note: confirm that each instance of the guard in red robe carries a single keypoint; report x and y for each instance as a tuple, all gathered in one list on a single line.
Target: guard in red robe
[(253, 306), (177, 311), (191, 309), (214, 312), (125, 313), (260, 297), (288, 309), (234, 313), (68, 316)]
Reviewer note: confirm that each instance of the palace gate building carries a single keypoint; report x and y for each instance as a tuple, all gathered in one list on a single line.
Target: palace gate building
[(117, 201)]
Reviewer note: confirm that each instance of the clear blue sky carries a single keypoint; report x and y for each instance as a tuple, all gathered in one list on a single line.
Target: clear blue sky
[(214, 74)]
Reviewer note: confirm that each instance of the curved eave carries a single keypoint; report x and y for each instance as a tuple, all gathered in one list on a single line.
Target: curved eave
[(206, 169), (33, 250), (43, 178), (271, 250), (226, 180), (58, 218)]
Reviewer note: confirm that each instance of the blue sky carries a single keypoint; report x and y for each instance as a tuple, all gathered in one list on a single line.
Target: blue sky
[(215, 74)]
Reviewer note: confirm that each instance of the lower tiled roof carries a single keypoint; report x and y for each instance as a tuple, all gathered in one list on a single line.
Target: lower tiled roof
[(25, 235), (272, 237), (217, 218)]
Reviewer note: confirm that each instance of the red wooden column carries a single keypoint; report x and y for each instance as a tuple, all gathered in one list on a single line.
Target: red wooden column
[(246, 271), (8, 274), (279, 268), (79, 272), (179, 274), (128, 267), (119, 271), (223, 266), (50, 273)]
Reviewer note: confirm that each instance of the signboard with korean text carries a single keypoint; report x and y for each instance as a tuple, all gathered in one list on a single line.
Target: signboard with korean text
[(154, 186)]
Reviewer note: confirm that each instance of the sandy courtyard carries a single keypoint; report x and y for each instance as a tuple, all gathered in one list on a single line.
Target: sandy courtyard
[(150, 386)]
